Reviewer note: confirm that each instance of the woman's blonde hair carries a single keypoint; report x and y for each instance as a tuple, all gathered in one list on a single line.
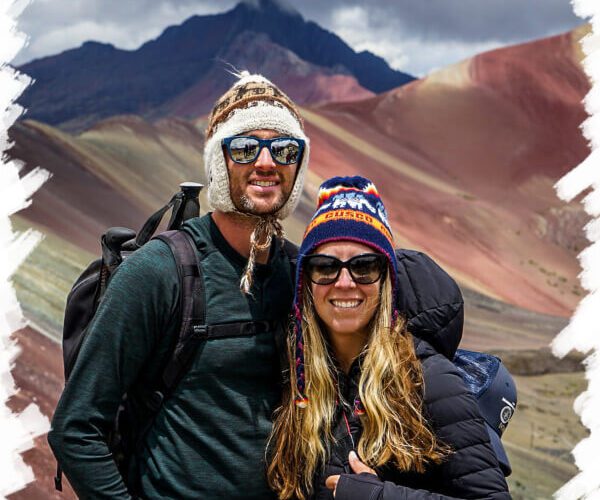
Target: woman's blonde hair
[(391, 391)]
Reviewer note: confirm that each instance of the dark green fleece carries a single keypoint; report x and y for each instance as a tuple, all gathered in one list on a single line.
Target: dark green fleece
[(209, 438)]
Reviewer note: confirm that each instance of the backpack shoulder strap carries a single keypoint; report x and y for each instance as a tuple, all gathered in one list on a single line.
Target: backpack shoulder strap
[(192, 304), (193, 328), (151, 225)]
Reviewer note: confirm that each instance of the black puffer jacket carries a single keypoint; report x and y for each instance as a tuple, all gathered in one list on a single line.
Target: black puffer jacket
[(433, 306)]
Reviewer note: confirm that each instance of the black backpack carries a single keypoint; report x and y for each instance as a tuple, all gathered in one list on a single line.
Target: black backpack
[(117, 243), (87, 292)]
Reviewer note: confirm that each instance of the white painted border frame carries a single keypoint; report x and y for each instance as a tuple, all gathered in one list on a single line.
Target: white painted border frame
[(16, 430), (583, 331)]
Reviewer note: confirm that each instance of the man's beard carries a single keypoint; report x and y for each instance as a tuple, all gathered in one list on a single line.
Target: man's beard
[(247, 206)]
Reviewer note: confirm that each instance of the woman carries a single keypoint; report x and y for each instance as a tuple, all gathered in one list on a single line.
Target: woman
[(361, 383)]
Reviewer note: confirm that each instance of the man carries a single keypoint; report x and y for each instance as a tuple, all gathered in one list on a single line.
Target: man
[(208, 439)]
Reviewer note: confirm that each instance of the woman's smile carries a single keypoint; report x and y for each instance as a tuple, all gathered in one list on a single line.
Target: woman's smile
[(346, 304)]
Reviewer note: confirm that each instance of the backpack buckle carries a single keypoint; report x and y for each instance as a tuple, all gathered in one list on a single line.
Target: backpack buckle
[(200, 331)]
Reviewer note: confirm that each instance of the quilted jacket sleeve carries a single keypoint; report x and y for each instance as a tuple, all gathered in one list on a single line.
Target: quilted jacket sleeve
[(471, 471), (369, 487)]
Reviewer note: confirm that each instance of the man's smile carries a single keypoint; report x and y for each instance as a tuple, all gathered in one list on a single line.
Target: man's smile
[(264, 184)]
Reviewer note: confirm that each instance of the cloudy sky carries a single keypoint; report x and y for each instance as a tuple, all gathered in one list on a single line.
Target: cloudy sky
[(412, 35)]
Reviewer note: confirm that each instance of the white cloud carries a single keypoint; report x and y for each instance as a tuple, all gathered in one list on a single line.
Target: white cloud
[(57, 25), (57, 40), (403, 51), (412, 36), (422, 57), (352, 24)]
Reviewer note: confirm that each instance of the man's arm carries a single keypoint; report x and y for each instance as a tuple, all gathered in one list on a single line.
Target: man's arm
[(127, 329)]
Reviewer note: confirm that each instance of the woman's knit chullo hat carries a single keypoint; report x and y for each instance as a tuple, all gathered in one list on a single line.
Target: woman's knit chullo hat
[(348, 209), (252, 103)]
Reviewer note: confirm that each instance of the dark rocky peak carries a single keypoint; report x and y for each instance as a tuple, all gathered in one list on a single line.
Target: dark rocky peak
[(316, 45), (97, 80), (98, 46)]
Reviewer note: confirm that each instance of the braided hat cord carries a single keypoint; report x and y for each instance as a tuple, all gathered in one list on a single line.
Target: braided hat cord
[(263, 232)]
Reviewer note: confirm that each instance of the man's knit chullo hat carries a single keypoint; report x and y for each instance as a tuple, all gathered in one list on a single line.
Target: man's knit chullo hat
[(348, 209), (252, 103)]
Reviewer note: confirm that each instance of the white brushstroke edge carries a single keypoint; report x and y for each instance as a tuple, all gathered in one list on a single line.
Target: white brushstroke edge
[(583, 331), (16, 430)]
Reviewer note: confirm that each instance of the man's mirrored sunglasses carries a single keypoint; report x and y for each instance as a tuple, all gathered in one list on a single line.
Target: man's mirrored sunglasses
[(364, 269), (245, 149)]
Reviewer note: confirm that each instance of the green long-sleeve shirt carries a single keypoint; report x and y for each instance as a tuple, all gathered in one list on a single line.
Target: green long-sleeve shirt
[(208, 440)]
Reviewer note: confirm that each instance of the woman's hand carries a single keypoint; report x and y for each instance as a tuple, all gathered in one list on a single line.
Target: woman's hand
[(357, 467)]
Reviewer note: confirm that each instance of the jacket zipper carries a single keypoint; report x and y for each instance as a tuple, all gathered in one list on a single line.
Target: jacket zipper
[(348, 428)]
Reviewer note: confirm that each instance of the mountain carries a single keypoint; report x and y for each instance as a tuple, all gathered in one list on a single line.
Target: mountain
[(81, 86), (305, 83), (39, 375), (115, 174), (465, 160)]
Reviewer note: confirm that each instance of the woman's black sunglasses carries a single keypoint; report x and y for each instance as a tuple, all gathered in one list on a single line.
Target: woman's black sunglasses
[(364, 269), (245, 149)]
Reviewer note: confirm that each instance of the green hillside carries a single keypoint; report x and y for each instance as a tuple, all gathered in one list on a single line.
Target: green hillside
[(45, 278), (542, 434)]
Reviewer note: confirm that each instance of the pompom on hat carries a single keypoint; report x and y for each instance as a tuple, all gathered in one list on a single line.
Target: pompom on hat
[(252, 103), (348, 209)]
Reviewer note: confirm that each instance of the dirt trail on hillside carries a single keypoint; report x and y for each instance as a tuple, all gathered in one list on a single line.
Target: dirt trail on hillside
[(38, 374)]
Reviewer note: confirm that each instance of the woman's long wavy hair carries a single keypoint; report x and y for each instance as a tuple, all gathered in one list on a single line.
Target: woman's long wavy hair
[(390, 388)]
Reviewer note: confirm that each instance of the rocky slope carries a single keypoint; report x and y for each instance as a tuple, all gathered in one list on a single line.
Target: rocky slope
[(466, 160)]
